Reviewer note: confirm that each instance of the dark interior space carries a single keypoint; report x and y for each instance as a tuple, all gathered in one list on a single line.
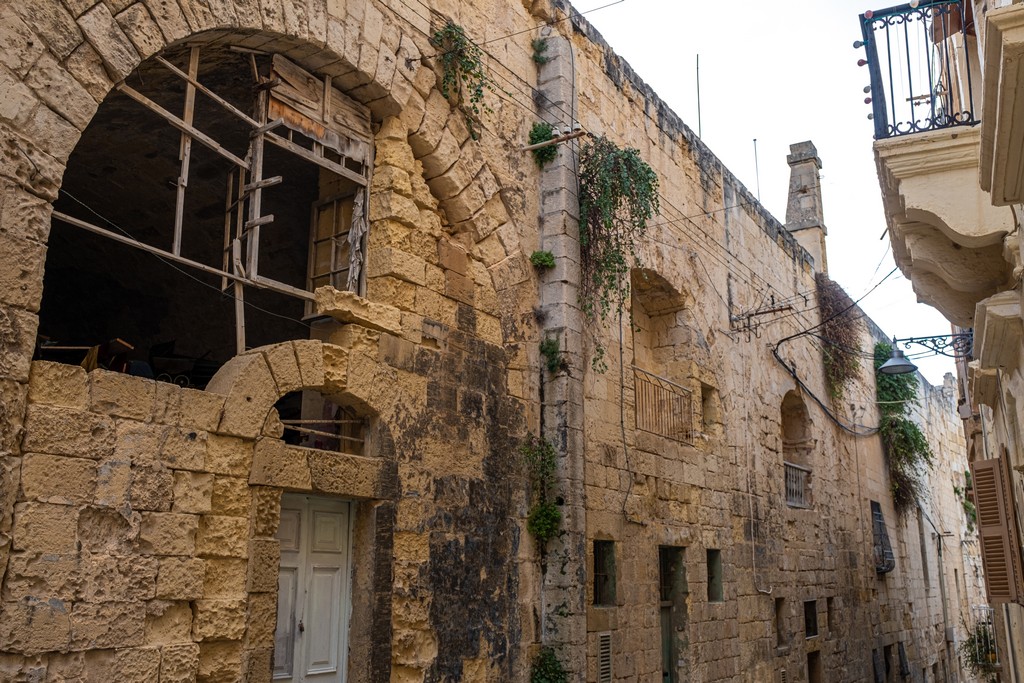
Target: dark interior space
[(122, 177)]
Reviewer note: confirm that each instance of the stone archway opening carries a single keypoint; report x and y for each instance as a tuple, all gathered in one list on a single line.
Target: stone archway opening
[(213, 191)]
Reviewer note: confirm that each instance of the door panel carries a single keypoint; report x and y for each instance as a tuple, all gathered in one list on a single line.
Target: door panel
[(322, 641), (284, 637), (313, 590)]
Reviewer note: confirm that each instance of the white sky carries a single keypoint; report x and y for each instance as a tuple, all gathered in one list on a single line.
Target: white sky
[(781, 72)]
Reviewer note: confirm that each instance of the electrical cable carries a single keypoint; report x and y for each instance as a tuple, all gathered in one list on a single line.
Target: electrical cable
[(792, 371)]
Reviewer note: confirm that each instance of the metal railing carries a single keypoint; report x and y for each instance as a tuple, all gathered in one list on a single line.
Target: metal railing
[(921, 65), (663, 407), (798, 486), (885, 560), (981, 647)]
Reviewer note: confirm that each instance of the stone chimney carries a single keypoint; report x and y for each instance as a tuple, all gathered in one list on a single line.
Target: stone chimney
[(804, 217)]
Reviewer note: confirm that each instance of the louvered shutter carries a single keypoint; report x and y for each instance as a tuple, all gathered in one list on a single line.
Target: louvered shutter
[(997, 530)]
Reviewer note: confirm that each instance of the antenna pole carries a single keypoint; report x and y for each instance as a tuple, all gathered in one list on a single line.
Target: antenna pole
[(700, 129), (757, 171)]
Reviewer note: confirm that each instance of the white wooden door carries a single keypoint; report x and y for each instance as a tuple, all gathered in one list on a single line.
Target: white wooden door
[(311, 641)]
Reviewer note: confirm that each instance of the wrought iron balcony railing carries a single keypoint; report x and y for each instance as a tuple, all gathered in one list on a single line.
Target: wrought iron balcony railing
[(663, 407), (923, 62)]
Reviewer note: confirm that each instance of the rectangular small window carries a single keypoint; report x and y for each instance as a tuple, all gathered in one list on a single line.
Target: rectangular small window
[(716, 592), (672, 576), (830, 617), (810, 618), (781, 636), (604, 573)]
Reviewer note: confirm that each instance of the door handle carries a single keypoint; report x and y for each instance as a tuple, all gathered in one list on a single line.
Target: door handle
[(301, 627)]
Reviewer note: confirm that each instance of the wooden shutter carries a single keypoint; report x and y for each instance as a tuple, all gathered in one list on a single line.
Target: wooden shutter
[(1000, 551)]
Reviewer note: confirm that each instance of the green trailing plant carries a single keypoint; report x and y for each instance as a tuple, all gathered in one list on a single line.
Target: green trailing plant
[(551, 350), (618, 194), (906, 448), (540, 49), (547, 668), (978, 651), (464, 81), (840, 336), (542, 260), (543, 131), (540, 459)]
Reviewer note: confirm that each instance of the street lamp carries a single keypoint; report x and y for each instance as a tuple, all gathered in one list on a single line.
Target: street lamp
[(957, 345)]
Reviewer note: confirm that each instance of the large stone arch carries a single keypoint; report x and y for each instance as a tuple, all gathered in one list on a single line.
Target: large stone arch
[(60, 66)]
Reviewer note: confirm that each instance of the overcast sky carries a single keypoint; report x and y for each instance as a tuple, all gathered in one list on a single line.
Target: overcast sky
[(781, 72)]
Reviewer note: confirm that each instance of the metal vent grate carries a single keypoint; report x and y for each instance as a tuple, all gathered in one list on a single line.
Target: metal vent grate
[(604, 658), (783, 676)]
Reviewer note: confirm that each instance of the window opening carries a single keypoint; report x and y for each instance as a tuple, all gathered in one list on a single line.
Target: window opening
[(885, 561), (797, 447), (311, 420), (781, 634), (674, 617), (810, 618), (923, 540), (716, 592), (604, 573), (710, 417), (217, 183), (830, 617)]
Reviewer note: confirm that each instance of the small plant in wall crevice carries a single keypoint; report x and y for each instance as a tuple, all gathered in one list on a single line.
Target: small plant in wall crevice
[(540, 459), (547, 668), (542, 131), (551, 350), (542, 260)]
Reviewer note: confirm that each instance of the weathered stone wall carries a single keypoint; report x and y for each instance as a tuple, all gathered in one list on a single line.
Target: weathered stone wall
[(137, 520)]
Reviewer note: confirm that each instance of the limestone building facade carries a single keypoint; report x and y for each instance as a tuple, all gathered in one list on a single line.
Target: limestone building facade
[(272, 341)]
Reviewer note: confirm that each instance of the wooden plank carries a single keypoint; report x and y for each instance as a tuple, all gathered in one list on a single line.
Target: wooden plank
[(319, 161), (239, 297), (179, 124), (185, 152), (266, 182), (190, 78), (132, 242), (256, 144), (262, 220), (260, 282)]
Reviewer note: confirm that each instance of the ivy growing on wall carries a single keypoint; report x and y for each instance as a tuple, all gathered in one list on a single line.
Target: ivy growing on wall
[(464, 81), (840, 336), (906, 449), (540, 459), (618, 194)]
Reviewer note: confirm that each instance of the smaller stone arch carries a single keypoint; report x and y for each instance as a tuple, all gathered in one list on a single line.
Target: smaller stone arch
[(367, 484)]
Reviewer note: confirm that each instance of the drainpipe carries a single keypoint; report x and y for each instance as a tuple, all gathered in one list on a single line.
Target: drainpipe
[(942, 595)]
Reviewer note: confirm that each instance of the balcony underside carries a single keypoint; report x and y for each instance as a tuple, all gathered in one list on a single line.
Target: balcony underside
[(947, 237)]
